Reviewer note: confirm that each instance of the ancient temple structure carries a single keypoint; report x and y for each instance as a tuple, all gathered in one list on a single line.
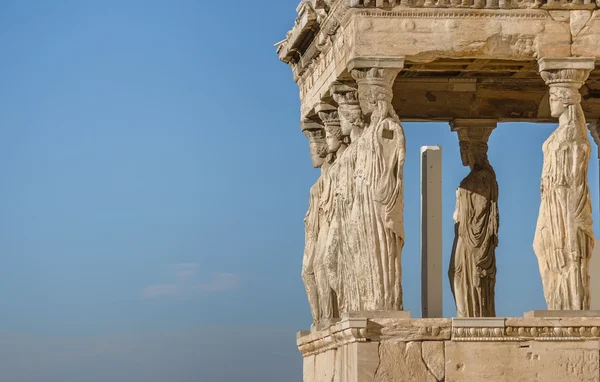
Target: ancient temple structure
[(365, 66)]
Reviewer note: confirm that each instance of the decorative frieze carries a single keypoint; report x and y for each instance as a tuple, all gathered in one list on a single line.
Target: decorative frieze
[(445, 13), (356, 329), (525, 329), (487, 4)]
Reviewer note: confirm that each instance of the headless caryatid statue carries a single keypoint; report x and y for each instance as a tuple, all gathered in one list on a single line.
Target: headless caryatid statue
[(318, 151), (473, 262), (376, 218), (564, 238), (342, 175)]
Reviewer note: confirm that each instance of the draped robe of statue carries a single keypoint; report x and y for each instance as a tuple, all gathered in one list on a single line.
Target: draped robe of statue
[(311, 224), (473, 262), (564, 238), (322, 264), (376, 221), (339, 254)]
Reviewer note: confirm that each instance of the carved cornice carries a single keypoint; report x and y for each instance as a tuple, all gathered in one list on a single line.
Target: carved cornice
[(315, 34), (293, 46), (525, 329), (356, 329), (552, 333), (347, 331), (478, 329)]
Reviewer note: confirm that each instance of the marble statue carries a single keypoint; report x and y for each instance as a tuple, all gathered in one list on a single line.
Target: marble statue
[(318, 152), (342, 175), (473, 262), (376, 217), (564, 238), (326, 261)]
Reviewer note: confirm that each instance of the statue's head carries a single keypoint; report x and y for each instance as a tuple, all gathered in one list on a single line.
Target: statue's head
[(316, 140), (465, 154), (473, 143), (333, 130), (350, 113), (333, 137), (374, 85), (564, 88), (472, 153), (561, 98)]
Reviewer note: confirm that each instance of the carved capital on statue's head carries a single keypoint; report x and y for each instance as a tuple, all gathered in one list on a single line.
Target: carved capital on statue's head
[(344, 94), (567, 72), (473, 136), (316, 139), (374, 85), (565, 76), (350, 113)]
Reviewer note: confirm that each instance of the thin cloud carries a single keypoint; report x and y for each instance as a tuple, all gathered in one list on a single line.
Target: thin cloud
[(188, 283), (221, 282), (160, 290)]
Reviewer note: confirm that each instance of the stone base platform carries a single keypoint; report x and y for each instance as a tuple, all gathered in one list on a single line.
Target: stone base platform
[(486, 349)]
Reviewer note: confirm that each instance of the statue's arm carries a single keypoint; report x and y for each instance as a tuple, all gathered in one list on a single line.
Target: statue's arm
[(390, 187), (456, 215)]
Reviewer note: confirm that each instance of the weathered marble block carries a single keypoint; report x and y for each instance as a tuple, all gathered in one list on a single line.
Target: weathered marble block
[(393, 349)]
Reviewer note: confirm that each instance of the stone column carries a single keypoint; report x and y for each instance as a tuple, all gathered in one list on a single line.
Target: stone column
[(564, 238), (431, 232), (472, 270)]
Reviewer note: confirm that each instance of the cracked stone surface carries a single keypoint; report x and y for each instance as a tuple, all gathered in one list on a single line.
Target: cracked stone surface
[(433, 356), (403, 361)]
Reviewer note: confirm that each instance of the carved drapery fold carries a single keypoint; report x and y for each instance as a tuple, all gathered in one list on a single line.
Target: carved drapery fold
[(354, 226), (318, 150), (376, 218)]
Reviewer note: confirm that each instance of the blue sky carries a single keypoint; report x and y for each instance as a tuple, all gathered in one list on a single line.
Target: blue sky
[(154, 181)]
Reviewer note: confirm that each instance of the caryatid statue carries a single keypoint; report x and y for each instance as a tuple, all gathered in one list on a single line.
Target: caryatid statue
[(342, 175), (326, 261), (376, 219), (318, 151), (473, 262), (564, 238)]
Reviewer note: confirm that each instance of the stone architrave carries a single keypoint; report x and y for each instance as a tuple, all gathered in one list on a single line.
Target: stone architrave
[(318, 151), (564, 238), (376, 221), (472, 270)]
